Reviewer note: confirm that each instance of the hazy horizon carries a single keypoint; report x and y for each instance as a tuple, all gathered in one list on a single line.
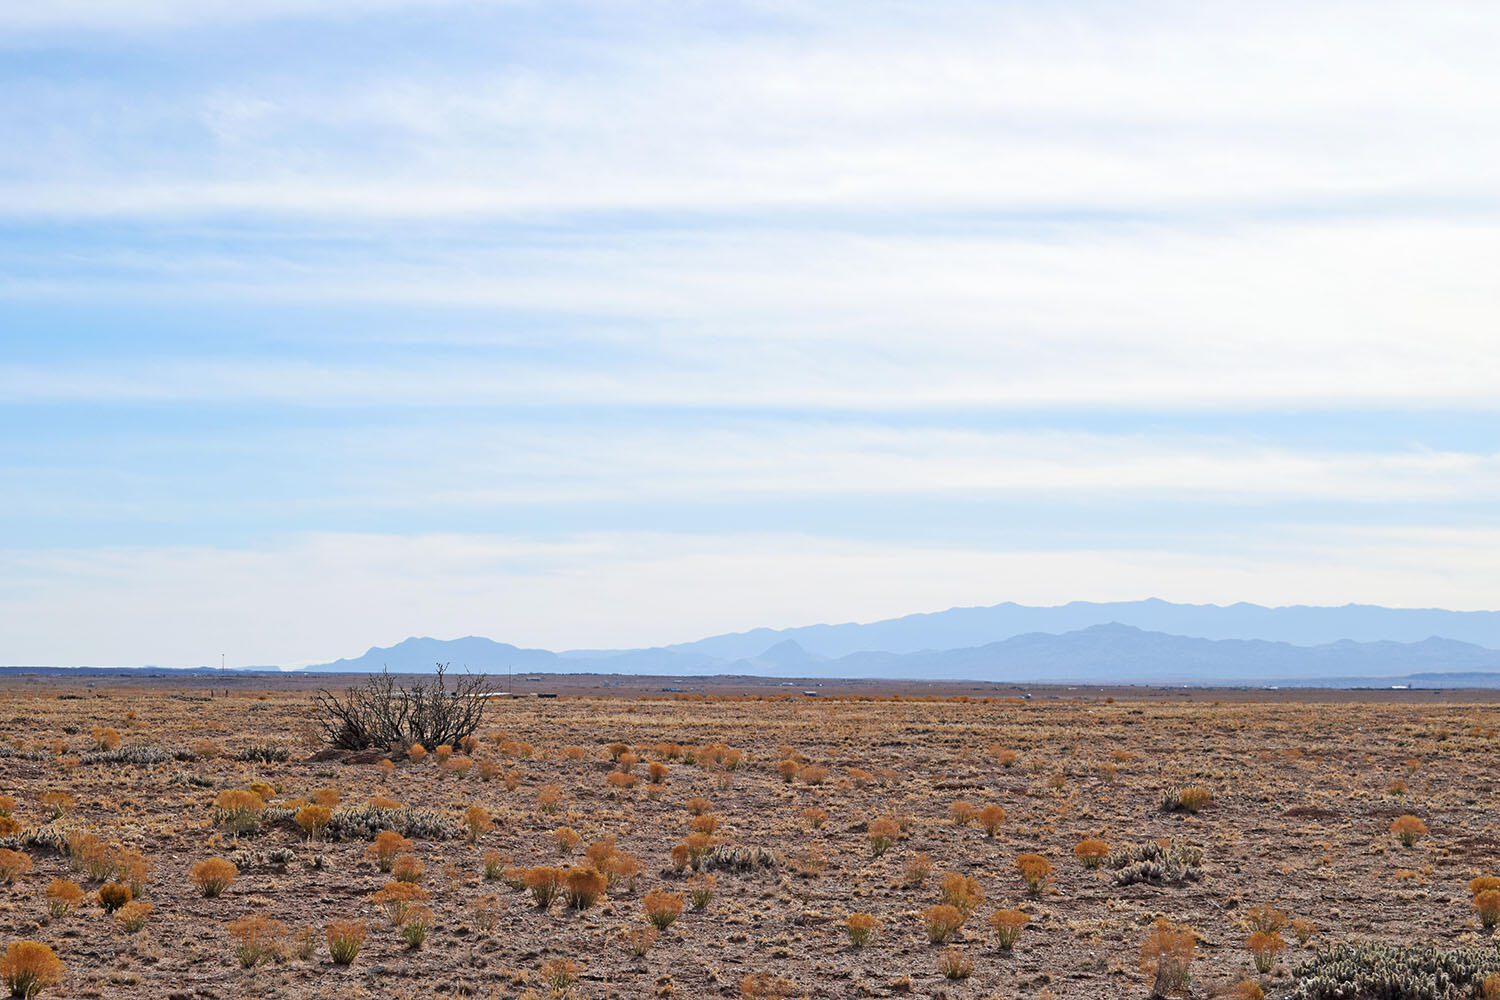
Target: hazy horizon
[(324, 323)]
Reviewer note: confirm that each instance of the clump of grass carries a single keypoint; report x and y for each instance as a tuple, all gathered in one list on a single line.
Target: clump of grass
[(991, 817), (560, 973), (882, 834), (962, 893), (662, 908), (256, 939), (544, 884), (1007, 926), (387, 847), (1408, 830), (917, 869), (1189, 798), (113, 895), (1036, 872), (416, 927), (954, 965), (345, 938), (63, 897), (861, 928), (942, 922), (701, 891), (133, 915), (585, 884), (1166, 957), (400, 900), (28, 967), (477, 822), (1264, 946), (1091, 853), (13, 865)]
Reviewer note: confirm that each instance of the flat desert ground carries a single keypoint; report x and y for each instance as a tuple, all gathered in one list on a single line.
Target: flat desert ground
[(837, 803)]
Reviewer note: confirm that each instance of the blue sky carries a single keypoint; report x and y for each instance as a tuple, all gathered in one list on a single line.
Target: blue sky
[(328, 322)]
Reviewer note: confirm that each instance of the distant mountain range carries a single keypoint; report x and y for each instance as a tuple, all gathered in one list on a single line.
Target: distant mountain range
[(1133, 642)]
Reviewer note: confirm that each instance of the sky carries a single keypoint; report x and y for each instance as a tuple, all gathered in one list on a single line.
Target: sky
[(601, 324)]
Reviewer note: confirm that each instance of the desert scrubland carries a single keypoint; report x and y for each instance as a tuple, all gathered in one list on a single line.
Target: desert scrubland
[(164, 843)]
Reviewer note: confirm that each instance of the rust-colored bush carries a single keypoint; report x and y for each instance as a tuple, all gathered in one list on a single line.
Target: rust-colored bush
[(239, 809), (1091, 853), (1264, 946), (400, 899), (133, 915), (942, 922), (313, 820), (882, 834), (28, 967), (813, 774), (477, 822), (585, 884), (815, 817), (1166, 957), (861, 928), (345, 938), (638, 940), (548, 798), (698, 805), (387, 847), (256, 939), (408, 868), (1036, 872), (1408, 830), (113, 895), (1487, 904), (326, 797), (214, 875), (565, 838), (706, 823), (962, 892), (701, 890), (1007, 926), (788, 769), (962, 813), (1304, 930), (991, 817), (560, 973), (916, 870), (63, 896), (544, 884), (955, 965), (416, 753), (1265, 918), (13, 865), (656, 772), (662, 908)]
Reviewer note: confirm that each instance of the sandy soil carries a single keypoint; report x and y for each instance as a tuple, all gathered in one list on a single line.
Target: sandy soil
[(1302, 802)]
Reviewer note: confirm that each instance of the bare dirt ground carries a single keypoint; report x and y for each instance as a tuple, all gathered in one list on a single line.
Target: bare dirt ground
[(1302, 799)]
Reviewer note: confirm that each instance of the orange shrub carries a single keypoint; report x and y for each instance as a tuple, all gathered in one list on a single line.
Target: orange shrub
[(544, 884), (815, 817), (442, 753), (416, 753), (1483, 882), (706, 823), (788, 769), (133, 915), (662, 908), (1007, 926), (860, 928), (28, 967), (954, 965), (565, 838), (256, 939), (238, 809), (408, 868), (345, 938), (113, 895), (313, 820), (63, 896), (990, 818), (478, 822), (214, 875), (1091, 853), (1166, 957), (585, 885), (882, 835), (943, 921), (459, 764), (547, 798), (1408, 829), (961, 813), (1264, 917), (1304, 930), (813, 774), (13, 864), (698, 806), (388, 844), (917, 868), (1487, 903), (1035, 871), (656, 772), (1264, 946), (560, 973), (962, 893), (400, 899), (328, 797)]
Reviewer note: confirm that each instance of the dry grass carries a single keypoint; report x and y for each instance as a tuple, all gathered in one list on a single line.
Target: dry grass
[(823, 845)]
